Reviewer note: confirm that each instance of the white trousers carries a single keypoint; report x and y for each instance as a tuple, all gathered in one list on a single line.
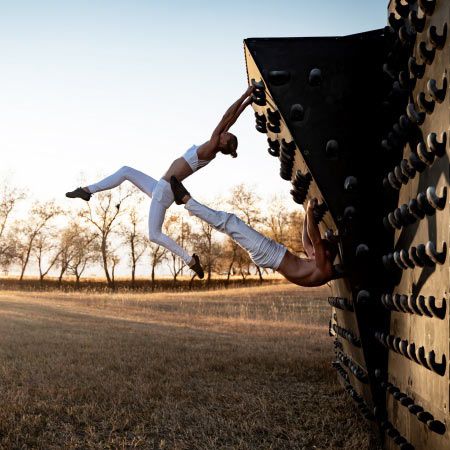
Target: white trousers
[(263, 251), (162, 198)]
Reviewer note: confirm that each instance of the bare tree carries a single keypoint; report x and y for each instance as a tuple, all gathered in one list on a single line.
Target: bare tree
[(103, 215), (135, 240), (9, 197), (114, 261), (77, 248), (28, 230), (179, 230), (293, 238), (46, 250), (277, 219), (209, 248), (158, 254), (245, 203)]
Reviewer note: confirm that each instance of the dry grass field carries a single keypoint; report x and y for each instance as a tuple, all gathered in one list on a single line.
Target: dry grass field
[(235, 369)]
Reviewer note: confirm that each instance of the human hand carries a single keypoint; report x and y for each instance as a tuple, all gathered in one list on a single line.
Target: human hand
[(250, 90), (312, 203)]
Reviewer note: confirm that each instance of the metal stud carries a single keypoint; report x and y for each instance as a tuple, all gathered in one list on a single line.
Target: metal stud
[(259, 85), (427, 6), (402, 10), (394, 22), (423, 359), (401, 177), (418, 23), (425, 156), (414, 306), (273, 128), (424, 104), (438, 148), (350, 184), (279, 77), (393, 181), (437, 426), (416, 163), (417, 70), (439, 368), (274, 147), (406, 82), (434, 255), (315, 77), (415, 116), (426, 55), (437, 202), (423, 306), (406, 169), (407, 35), (437, 312), (437, 40), (422, 254), (297, 113), (259, 99), (437, 94), (415, 409), (261, 128), (406, 259), (406, 401), (415, 257), (332, 148), (424, 416), (274, 116)]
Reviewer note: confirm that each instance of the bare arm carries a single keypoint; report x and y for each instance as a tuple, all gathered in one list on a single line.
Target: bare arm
[(233, 119), (232, 113), (314, 236), (307, 245)]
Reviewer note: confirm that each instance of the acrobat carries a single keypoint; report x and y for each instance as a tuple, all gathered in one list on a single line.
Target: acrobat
[(315, 270), (196, 157)]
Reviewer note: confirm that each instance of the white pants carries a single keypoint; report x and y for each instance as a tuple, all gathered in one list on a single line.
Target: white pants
[(264, 252), (162, 198)]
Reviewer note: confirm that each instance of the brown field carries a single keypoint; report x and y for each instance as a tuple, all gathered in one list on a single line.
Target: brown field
[(235, 369)]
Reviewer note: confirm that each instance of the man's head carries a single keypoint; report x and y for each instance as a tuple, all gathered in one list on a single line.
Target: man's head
[(228, 144)]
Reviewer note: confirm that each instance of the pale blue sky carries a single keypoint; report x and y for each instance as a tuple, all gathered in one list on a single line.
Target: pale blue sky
[(89, 86)]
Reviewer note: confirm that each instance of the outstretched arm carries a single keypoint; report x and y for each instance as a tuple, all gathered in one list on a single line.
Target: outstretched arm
[(314, 236), (307, 245), (233, 112)]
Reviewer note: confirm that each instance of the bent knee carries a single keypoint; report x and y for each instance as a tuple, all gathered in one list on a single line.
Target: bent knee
[(156, 237), (126, 169)]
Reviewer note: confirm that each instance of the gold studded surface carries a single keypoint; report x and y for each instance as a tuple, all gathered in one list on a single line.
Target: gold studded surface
[(428, 389)]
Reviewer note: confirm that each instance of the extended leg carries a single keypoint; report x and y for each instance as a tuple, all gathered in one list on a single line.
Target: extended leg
[(155, 222), (142, 181), (264, 251)]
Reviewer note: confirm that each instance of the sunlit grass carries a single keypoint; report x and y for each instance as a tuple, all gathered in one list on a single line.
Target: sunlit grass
[(235, 369)]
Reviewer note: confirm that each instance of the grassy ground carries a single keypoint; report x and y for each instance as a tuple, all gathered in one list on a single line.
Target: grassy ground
[(241, 369)]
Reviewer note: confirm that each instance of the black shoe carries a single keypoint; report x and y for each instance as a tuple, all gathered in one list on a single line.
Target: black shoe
[(179, 191), (197, 268), (79, 193)]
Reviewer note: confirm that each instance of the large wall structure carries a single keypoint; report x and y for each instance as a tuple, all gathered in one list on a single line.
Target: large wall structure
[(361, 122)]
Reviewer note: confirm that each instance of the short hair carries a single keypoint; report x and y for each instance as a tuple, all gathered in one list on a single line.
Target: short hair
[(232, 145)]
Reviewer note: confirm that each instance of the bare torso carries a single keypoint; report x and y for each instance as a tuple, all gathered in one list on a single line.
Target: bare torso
[(304, 271), (180, 169)]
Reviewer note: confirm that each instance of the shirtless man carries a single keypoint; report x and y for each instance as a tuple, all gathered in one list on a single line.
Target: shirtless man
[(315, 270), (195, 158)]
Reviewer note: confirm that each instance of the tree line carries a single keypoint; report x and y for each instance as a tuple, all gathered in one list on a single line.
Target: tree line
[(111, 229)]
